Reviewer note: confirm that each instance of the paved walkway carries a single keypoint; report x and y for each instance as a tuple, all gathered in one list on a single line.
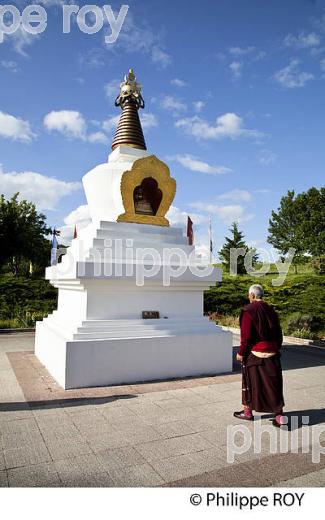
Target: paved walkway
[(170, 433)]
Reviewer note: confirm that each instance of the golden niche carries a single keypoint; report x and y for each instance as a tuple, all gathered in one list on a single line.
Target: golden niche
[(147, 191)]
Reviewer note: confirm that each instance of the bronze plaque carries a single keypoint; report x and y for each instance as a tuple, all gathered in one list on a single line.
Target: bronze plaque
[(150, 315)]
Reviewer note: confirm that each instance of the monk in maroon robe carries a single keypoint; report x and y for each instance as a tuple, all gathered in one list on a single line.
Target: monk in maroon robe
[(260, 342)]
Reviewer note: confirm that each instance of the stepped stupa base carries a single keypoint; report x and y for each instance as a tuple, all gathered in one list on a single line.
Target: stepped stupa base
[(165, 351), (97, 335)]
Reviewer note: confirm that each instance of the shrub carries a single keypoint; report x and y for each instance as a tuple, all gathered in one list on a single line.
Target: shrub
[(304, 334), (299, 322), (23, 301)]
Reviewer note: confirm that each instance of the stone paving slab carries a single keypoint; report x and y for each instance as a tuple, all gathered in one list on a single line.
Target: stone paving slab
[(2, 462), (171, 447), (44, 475), (166, 433), (142, 475), (85, 465), (261, 472), (68, 449), (114, 459), (314, 479), (100, 441), (27, 455), (3, 479), (97, 481)]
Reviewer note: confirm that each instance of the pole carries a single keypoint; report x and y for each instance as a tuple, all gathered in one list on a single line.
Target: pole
[(210, 240)]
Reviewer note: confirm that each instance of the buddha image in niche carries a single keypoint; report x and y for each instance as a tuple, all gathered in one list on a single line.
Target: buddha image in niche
[(147, 197)]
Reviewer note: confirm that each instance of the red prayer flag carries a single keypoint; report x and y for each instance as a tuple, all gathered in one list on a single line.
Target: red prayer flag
[(75, 232), (190, 233)]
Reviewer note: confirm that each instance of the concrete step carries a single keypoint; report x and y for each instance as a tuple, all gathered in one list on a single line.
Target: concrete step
[(119, 329), (99, 244), (139, 329), (133, 229), (145, 238), (132, 322), (124, 334), (60, 329)]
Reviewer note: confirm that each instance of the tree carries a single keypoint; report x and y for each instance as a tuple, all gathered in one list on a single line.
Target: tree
[(299, 223), (22, 234), (236, 242), (312, 206)]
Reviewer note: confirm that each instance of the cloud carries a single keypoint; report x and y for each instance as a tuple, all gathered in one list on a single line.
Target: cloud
[(291, 77), (160, 57), (242, 56), (228, 125), (148, 120), (111, 123), (70, 123), (15, 128), (21, 39), (79, 217), (198, 105), (196, 165), (112, 88), (44, 191), (177, 217), (92, 58), (236, 69), (171, 103), (260, 55), (263, 191), (322, 65), (98, 138), (226, 214), (302, 41), (236, 196), (134, 38), (267, 157), (241, 51), (10, 65), (178, 82)]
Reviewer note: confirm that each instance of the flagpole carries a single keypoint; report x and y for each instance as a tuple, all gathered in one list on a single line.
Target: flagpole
[(210, 240)]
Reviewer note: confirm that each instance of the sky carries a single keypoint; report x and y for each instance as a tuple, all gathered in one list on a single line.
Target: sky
[(234, 93)]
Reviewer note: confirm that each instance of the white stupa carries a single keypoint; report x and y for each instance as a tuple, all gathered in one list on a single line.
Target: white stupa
[(130, 303)]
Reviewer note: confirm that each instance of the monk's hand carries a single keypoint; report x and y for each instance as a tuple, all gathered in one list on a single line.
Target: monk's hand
[(240, 358)]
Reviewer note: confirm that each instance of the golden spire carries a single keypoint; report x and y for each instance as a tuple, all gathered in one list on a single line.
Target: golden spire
[(129, 130)]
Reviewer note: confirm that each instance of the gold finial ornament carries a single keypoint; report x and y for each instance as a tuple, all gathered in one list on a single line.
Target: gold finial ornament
[(129, 131), (130, 91)]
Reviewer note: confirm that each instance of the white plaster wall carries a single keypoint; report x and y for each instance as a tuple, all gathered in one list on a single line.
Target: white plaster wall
[(121, 304), (102, 184), (72, 306), (144, 359)]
